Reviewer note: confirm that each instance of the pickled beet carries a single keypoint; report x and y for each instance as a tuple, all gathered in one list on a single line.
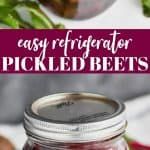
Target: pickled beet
[(77, 9)]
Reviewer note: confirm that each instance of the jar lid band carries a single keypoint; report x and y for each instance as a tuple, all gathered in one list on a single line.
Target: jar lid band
[(75, 117)]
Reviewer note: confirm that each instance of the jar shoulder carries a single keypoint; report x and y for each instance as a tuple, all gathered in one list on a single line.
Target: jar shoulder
[(120, 144)]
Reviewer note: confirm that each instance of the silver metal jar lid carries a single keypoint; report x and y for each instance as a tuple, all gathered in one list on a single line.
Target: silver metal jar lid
[(75, 118)]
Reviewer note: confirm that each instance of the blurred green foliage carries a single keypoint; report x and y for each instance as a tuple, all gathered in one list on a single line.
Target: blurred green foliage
[(146, 7), (18, 14)]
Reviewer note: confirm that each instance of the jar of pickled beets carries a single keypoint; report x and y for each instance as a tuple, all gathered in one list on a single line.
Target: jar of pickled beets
[(75, 121), (77, 9)]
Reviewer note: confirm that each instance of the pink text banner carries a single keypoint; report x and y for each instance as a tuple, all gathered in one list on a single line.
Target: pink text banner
[(75, 51)]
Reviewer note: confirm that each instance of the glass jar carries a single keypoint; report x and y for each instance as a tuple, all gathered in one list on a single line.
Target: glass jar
[(78, 9), (75, 121)]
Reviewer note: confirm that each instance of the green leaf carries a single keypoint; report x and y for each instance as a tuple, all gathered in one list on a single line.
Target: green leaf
[(4, 26), (8, 2), (25, 14), (146, 7), (30, 14), (7, 18)]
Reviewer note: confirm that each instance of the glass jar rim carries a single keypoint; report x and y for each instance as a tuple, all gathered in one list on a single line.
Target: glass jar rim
[(107, 128)]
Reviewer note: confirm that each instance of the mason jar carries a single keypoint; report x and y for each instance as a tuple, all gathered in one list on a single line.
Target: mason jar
[(75, 121), (77, 9)]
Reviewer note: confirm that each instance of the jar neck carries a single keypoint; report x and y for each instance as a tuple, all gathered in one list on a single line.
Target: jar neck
[(63, 145)]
